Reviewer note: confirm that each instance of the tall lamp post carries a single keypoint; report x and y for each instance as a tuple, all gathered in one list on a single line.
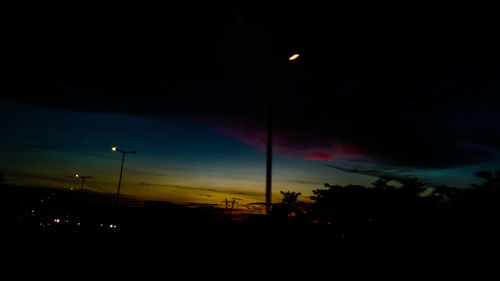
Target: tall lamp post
[(269, 147), (121, 169)]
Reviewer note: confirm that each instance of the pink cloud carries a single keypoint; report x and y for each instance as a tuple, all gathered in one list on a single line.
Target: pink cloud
[(318, 156), (349, 149), (288, 145)]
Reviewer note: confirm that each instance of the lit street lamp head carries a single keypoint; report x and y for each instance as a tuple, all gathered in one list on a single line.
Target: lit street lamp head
[(294, 57), (114, 148)]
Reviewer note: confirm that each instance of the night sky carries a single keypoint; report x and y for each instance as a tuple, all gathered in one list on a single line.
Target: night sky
[(381, 89)]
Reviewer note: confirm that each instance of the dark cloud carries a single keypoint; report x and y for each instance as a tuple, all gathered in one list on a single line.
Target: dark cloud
[(52, 145), (399, 85), (399, 175), (371, 172), (306, 182), (36, 176), (179, 186)]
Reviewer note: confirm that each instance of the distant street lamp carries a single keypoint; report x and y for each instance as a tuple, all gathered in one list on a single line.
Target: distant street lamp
[(78, 176), (121, 170), (83, 179), (269, 148)]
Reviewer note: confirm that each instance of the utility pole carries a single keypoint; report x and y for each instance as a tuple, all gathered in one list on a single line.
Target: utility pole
[(230, 204)]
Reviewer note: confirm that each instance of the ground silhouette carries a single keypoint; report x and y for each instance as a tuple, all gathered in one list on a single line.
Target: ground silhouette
[(383, 210)]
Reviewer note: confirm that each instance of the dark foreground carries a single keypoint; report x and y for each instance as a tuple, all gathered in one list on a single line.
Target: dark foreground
[(42, 210)]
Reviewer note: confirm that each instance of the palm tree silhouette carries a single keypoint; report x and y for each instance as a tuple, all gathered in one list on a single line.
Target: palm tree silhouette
[(289, 205), (290, 197)]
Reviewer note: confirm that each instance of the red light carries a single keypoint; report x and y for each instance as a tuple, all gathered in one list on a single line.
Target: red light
[(329, 222), (370, 220), (315, 221)]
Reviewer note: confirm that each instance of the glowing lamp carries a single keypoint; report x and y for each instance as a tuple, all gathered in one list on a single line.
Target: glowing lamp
[(294, 57)]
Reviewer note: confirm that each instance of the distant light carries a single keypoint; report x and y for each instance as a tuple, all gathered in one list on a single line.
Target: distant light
[(294, 57), (114, 148), (76, 175)]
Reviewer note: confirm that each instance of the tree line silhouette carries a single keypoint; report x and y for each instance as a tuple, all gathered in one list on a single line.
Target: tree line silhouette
[(389, 207), (409, 206)]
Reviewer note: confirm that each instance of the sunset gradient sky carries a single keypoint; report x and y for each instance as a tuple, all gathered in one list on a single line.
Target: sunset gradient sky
[(177, 161), (379, 89)]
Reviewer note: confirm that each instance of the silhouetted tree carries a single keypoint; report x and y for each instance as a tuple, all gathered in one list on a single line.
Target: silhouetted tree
[(2, 179), (382, 183), (344, 204), (412, 186), (355, 206), (492, 182), (445, 192), (410, 190), (290, 197), (487, 194), (289, 204)]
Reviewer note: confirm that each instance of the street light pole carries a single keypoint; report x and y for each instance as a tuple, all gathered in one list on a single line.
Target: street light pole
[(269, 144), (269, 147), (120, 180), (83, 179), (121, 169), (78, 176)]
